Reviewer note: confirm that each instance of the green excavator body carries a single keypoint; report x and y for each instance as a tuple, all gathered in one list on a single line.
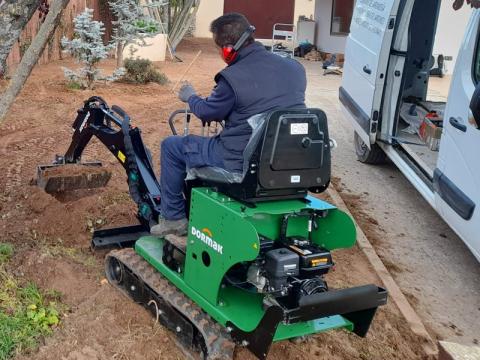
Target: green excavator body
[(223, 233)]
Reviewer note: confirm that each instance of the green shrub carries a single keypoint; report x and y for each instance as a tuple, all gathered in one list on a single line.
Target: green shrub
[(147, 26), (141, 71)]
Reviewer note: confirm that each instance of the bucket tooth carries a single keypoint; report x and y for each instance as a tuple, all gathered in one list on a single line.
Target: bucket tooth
[(68, 177)]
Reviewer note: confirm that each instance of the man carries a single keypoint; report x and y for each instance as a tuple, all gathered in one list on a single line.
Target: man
[(255, 81)]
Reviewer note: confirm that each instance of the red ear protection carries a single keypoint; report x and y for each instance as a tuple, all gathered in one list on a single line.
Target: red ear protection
[(229, 52)]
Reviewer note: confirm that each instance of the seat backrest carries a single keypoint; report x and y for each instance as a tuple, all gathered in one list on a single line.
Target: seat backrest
[(295, 152), (288, 155)]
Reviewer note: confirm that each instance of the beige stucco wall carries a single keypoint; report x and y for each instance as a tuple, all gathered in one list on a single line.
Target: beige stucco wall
[(304, 7), (450, 30), (211, 9), (324, 40), (208, 11)]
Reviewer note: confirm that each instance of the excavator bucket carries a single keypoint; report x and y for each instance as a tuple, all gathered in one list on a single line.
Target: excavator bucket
[(58, 178)]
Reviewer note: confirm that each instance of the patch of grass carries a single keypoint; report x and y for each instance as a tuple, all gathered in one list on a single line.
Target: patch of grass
[(74, 85), (26, 315), (72, 253), (6, 252)]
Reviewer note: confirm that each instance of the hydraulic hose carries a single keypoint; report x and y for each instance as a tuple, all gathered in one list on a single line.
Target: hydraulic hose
[(133, 174)]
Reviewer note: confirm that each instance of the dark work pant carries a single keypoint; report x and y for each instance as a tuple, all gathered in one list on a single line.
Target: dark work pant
[(179, 153)]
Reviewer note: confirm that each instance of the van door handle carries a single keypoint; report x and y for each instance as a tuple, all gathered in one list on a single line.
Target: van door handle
[(457, 124), (367, 70)]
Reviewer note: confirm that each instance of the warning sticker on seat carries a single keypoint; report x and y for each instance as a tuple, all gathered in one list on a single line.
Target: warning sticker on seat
[(295, 179), (299, 129)]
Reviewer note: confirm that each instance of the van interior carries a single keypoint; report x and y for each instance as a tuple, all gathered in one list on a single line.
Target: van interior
[(420, 111)]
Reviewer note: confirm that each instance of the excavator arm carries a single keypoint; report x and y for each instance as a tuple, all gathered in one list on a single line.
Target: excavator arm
[(112, 127)]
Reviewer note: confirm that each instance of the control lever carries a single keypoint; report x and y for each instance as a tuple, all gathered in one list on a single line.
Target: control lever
[(186, 121)]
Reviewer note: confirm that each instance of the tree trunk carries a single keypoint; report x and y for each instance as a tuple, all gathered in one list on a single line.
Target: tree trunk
[(31, 56), (120, 47), (14, 15)]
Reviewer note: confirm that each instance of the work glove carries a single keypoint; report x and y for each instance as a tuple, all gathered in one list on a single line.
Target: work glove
[(185, 92)]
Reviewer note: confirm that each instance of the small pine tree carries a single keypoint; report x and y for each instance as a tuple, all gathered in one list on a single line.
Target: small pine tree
[(87, 48), (131, 24)]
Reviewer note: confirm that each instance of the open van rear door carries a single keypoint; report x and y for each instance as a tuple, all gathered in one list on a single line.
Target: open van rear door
[(366, 58), (456, 179)]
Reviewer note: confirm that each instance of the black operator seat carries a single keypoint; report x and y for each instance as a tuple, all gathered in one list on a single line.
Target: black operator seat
[(287, 155)]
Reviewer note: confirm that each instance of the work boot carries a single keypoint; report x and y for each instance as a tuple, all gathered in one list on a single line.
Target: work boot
[(166, 227)]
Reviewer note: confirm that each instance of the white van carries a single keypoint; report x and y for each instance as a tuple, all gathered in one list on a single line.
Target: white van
[(384, 94)]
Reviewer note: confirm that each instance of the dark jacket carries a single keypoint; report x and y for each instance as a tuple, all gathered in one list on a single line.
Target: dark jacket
[(262, 82)]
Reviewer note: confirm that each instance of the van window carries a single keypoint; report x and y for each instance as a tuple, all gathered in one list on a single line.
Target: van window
[(342, 11)]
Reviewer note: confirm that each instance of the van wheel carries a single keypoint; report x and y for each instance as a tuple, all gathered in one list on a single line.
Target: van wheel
[(374, 155)]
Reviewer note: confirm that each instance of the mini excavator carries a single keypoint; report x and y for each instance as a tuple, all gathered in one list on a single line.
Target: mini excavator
[(253, 268)]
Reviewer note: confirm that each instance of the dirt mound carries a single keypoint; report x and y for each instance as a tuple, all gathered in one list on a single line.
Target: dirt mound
[(68, 177), (72, 220), (73, 170)]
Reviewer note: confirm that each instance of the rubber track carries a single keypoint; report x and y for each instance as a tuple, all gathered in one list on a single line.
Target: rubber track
[(218, 342)]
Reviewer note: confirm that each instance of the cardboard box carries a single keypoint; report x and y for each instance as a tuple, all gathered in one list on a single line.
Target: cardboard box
[(431, 131)]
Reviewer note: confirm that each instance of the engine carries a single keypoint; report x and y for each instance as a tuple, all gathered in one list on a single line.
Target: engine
[(290, 270)]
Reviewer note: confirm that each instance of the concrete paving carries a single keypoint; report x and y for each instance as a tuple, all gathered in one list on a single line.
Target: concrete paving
[(429, 261)]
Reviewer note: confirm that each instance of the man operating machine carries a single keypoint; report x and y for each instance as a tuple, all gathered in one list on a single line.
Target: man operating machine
[(255, 81)]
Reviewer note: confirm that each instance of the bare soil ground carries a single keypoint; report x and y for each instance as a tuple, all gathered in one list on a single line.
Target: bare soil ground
[(52, 234)]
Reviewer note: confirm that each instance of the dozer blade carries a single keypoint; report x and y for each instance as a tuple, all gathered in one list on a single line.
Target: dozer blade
[(68, 177)]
